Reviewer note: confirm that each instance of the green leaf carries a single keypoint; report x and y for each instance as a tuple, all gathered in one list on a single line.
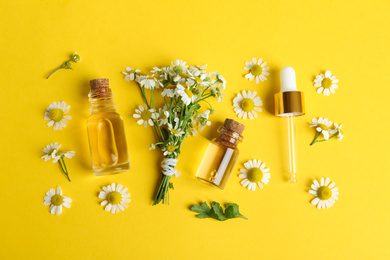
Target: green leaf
[(232, 211), (217, 211), (203, 209), (171, 186)]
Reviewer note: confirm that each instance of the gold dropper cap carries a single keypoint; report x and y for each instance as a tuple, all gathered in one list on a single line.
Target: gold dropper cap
[(289, 101)]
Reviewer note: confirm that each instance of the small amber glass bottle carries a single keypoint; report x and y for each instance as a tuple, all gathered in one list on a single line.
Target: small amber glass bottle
[(221, 155), (106, 132)]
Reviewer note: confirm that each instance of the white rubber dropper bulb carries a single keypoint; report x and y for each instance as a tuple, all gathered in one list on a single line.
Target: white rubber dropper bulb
[(287, 79)]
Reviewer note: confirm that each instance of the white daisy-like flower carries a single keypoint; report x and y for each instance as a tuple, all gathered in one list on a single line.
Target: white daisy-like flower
[(326, 83), (322, 126), (176, 129), (56, 115), (145, 115), (221, 82), (115, 198), (340, 134), (178, 66), (56, 201), (326, 194), (147, 82), (247, 104), (169, 91), (51, 151), (186, 94), (163, 116), (203, 120), (130, 74), (255, 173), (194, 126), (257, 69), (170, 149)]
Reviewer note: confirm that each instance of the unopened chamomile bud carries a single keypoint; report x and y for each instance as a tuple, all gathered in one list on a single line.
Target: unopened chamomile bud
[(76, 57)]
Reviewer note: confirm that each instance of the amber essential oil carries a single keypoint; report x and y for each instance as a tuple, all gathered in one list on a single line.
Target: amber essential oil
[(106, 133), (221, 155)]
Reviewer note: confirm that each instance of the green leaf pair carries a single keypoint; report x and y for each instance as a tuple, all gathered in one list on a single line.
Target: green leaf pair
[(216, 211)]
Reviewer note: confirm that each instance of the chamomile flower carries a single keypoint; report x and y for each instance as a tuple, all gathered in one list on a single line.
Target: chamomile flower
[(326, 194), (169, 90), (130, 74), (56, 201), (187, 96), (170, 149), (115, 198), (257, 69), (176, 129), (178, 66), (340, 134), (147, 82), (255, 173), (322, 126), (163, 116), (247, 104), (56, 114), (326, 83), (52, 152), (145, 115), (203, 120)]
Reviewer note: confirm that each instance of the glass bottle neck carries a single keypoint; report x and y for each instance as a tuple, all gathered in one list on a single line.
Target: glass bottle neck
[(228, 138), (102, 104)]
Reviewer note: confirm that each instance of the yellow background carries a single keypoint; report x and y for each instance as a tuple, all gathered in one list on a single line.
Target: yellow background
[(350, 38)]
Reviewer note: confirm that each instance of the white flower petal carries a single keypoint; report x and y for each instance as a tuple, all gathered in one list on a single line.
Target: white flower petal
[(315, 201)]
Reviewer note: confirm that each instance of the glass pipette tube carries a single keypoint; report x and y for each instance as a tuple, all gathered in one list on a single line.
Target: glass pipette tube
[(292, 167)]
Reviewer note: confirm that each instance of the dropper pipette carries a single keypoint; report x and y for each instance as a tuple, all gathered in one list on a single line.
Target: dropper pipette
[(289, 103)]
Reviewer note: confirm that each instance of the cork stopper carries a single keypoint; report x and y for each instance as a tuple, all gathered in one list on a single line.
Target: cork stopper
[(100, 88), (234, 126)]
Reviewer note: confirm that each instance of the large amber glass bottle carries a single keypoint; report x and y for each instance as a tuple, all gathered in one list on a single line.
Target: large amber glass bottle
[(221, 155), (106, 133)]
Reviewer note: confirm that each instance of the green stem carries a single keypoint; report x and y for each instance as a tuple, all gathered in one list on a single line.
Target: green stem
[(329, 138), (156, 121), (63, 166), (60, 67), (315, 139)]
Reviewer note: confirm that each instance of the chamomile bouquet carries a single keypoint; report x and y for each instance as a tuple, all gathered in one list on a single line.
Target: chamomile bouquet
[(183, 90)]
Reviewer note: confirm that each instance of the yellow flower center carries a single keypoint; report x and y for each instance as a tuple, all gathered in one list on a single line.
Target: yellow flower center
[(57, 200), (170, 86), (146, 115), (114, 198), (256, 70), (184, 75), (323, 127), (255, 175), (188, 92), (174, 131), (324, 193), (56, 114), (171, 148), (326, 83), (247, 105), (197, 79)]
